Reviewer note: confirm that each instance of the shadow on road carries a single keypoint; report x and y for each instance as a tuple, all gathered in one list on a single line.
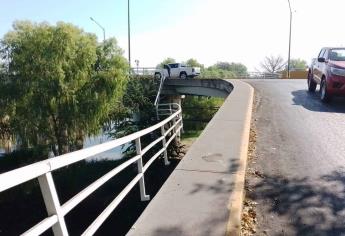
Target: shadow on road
[(313, 207), (311, 101)]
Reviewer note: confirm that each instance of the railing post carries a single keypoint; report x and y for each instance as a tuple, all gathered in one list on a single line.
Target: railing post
[(143, 195), (170, 110), (52, 203), (164, 141), (175, 128), (157, 110), (179, 132)]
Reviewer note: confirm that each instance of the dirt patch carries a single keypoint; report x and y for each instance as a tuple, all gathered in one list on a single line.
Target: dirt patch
[(188, 142), (249, 220)]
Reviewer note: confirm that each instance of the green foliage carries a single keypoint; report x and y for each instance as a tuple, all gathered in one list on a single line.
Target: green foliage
[(166, 61), (140, 112), (237, 68), (60, 84), (191, 134), (298, 64), (193, 63), (198, 111), (224, 70), (139, 98), (215, 73)]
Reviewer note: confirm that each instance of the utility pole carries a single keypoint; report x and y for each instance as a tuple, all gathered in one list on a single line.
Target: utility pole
[(129, 38), (100, 27), (288, 69)]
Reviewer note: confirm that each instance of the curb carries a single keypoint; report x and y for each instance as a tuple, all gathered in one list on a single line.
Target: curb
[(237, 197)]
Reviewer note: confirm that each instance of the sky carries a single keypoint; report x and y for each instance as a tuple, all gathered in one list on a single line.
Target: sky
[(242, 31)]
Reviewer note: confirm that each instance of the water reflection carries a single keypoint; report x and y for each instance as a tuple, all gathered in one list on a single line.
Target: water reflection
[(113, 154), (7, 146)]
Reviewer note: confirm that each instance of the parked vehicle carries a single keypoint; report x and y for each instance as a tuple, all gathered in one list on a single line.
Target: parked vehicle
[(328, 70), (177, 70)]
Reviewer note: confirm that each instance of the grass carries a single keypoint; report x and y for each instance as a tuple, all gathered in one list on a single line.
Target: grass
[(191, 134)]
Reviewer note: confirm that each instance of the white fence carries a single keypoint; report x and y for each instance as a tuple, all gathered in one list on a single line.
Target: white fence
[(259, 75), (42, 171), (145, 70)]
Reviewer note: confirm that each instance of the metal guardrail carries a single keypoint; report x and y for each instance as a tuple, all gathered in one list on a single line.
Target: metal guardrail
[(150, 71), (259, 75), (145, 70), (43, 172), (166, 109), (159, 90)]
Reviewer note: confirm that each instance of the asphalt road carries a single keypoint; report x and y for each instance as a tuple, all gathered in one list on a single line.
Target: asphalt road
[(300, 181)]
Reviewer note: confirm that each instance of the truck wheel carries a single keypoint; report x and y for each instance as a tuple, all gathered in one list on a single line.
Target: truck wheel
[(311, 83), (158, 75), (324, 95), (183, 75)]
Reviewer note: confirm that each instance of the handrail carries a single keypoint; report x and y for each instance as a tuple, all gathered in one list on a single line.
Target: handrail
[(42, 170), (159, 89)]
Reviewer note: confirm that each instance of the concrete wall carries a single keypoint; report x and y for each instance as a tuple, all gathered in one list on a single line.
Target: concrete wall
[(296, 75), (201, 87)]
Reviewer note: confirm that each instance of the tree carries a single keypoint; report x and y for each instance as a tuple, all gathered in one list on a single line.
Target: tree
[(273, 64), (298, 64), (61, 85), (194, 63), (197, 111), (222, 65), (140, 111), (236, 68), (213, 72), (167, 60)]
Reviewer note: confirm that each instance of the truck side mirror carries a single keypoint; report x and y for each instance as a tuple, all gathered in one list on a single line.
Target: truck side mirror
[(321, 59)]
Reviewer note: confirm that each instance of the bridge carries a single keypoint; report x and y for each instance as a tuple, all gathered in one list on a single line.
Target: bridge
[(301, 153)]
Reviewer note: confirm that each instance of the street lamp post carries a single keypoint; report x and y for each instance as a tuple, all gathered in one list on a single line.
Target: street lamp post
[(100, 27), (288, 69), (129, 38)]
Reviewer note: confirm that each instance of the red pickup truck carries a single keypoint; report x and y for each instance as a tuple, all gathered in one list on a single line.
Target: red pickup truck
[(328, 70)]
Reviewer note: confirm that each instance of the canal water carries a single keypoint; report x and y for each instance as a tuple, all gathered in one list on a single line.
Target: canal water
[(113, 154)]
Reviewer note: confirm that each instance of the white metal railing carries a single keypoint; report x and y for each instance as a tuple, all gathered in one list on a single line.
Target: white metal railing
[(42, 171), (259, 75), (146, 71), (161, 82), (166, 109)]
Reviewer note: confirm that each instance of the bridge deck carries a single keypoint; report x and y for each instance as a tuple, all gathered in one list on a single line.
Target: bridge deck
[(202, 191)]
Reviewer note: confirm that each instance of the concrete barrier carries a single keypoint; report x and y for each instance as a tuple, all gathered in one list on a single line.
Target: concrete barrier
[(202, 87), (296, 75)]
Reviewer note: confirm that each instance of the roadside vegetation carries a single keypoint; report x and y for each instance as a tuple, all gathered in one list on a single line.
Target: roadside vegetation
[(197, 112), (58, 85)]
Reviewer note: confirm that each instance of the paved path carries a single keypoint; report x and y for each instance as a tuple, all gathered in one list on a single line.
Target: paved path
[(301, 153)]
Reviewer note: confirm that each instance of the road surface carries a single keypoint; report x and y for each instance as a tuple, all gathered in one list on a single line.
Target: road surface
[(300, 181)]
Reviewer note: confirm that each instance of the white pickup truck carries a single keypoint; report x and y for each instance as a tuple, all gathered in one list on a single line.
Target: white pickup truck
[(177, 70)]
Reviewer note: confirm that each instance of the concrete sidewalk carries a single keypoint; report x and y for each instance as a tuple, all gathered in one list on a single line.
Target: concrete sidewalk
[(204, 194)]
